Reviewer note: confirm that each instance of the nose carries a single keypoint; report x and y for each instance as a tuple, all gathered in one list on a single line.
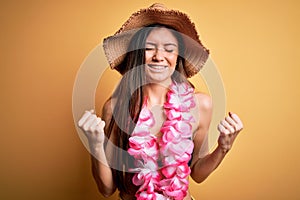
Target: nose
[(158, 55)]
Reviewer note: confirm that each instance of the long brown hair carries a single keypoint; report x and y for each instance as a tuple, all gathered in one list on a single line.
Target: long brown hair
[(129, 101)]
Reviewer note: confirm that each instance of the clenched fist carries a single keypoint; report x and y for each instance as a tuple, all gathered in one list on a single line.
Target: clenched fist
[(229, 129), (93, 127)]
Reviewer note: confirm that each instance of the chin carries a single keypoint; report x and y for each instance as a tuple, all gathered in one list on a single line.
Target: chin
[(159, 80)]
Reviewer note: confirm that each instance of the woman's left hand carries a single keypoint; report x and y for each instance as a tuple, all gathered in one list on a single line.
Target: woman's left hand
[(229, 129)]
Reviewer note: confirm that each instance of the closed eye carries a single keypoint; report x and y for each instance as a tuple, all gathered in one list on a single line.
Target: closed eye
[(149, 48), (170, 50)]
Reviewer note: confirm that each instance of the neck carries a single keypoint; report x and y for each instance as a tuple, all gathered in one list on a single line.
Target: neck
[(156, 94)]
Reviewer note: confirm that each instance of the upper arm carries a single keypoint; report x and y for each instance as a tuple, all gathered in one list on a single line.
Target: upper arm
[(107, 113), (201, 136)]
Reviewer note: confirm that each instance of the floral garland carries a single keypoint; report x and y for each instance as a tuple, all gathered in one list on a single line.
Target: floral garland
[(166, 179)]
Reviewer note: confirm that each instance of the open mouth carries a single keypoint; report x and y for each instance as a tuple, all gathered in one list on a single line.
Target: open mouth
[(157, 67)]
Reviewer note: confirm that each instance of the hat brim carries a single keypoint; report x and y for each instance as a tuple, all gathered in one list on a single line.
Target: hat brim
[(115, 47)]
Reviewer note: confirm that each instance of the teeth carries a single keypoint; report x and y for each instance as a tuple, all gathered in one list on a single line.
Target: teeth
[(157, 66)]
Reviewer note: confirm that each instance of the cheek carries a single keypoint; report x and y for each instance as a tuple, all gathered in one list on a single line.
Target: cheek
[(148, 57), (173, 61)]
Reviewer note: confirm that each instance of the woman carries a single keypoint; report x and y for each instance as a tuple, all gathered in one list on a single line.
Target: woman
[(151, 136)]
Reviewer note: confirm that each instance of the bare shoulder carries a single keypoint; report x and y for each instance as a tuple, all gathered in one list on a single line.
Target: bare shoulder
[(107, 110), (204, 102)]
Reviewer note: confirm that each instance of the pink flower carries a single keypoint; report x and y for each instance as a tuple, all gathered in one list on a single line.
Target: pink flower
[(170, 135), (176, 115), (180, 98), (187, 116), (185, 128), (146, 175), (182, 88), (175, 149), (185, 146), (173, 115), (186, 157), (146, 118), (181, 170), (140, 130), (150, 196), (144, 196), (143, 147), (169, 171), (175, 188)]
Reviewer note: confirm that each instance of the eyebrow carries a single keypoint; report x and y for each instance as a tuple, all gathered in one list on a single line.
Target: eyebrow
[(167, 44)]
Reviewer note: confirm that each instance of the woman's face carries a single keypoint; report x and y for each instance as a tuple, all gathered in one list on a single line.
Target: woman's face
[(160, 55)]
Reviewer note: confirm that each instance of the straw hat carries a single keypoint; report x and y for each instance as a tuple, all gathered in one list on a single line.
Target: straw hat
[(115, 47)]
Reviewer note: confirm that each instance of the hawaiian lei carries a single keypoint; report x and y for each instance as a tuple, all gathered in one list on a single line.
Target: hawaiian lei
[(166, 179)]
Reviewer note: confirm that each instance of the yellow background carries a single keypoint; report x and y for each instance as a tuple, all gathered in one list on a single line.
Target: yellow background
[(255, 45)]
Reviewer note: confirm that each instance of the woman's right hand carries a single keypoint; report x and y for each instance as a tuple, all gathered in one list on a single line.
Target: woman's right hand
[(93, 127)]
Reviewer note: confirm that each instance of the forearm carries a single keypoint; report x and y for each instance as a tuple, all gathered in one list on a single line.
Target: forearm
[(203, 167), (102, 172)]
